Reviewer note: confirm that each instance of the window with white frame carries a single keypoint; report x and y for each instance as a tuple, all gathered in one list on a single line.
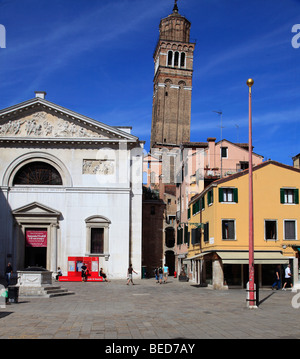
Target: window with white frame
[(176, 59), (224, 152), (289, 195), (228, 229), (228, 195), (97, 236), (270, 229), (289, 229)]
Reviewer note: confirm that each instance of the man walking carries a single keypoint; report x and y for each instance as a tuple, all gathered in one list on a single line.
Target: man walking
[(288, 277), (277, 278)]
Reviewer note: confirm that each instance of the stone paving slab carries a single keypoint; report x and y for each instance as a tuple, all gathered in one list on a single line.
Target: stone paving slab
[(147, 310)]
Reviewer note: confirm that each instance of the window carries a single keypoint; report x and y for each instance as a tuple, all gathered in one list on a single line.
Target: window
[(289, 195), (206, 232), (179, 235), (199, 205), (182, 60), (170, 58), (228, 195), (37, 173), (97, 240), (242, 165), (170, 237), (228, 229), (202, 203), (176, 59), (224, 152), (196, 207), (290, 229), (186, 235), (196, 235), (270, 229), (210, 197), (97, 236)]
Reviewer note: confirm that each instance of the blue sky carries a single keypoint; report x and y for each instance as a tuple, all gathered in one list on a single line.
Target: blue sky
[(95, 58)]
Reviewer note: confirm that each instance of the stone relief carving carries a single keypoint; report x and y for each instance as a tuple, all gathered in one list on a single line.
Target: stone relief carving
[(42, 125), (103, 167)]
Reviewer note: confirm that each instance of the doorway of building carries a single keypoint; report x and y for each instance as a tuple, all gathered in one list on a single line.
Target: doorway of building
[(35, 247), (170, 261)]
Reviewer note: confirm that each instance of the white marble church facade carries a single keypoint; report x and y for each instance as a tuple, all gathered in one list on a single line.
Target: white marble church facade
[(70, 186)]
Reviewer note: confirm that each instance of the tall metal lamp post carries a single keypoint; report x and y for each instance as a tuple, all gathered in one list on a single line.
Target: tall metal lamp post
[(251, 300)]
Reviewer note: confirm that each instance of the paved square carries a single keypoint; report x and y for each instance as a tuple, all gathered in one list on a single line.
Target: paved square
[(149, 310)]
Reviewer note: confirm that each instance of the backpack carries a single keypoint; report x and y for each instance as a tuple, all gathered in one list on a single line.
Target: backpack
[(160, 270)]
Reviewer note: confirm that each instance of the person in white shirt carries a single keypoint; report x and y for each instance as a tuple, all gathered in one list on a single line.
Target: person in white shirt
[(287, 277)]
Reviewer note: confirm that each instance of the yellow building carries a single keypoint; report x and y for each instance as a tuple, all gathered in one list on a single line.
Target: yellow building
[(218, 227)]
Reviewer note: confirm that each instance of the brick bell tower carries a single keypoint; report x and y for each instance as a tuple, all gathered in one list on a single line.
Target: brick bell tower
[(172, 93)]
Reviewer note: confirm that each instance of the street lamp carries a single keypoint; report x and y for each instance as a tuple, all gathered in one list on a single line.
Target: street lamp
[(252, 301)]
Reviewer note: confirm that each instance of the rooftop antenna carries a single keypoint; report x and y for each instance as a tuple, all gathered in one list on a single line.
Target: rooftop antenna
[(220, 113)]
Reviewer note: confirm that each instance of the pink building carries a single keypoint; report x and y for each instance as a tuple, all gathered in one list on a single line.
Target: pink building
[(203, 163)]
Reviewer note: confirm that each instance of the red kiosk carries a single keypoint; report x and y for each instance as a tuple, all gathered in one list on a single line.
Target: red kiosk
[(74, 270)]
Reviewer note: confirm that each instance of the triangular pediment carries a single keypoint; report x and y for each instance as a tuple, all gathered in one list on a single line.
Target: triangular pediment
[(35, 209), (40, 119)]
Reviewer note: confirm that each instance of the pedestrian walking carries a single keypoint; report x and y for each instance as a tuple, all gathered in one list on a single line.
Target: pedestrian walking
[(277, 278), (8, 273), (129, 274), (156, 274), (166, 273), (287, 277), (160, 274)]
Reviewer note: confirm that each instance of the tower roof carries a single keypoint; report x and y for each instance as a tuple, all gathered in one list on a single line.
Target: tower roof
[(175, 27), (175, 8)]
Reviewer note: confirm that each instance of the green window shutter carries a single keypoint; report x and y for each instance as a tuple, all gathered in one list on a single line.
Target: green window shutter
[(206, 232), (281, 195), (186, 234), (220, 194), (179, 236), (196, 207), (193, 235), (296, 195), (211, 196), (235, 195), (208, 197), (202, 203), (198, 236), (189, 213)]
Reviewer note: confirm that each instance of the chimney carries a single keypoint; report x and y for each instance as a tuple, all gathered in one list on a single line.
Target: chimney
[(211, 151), (40, 94)]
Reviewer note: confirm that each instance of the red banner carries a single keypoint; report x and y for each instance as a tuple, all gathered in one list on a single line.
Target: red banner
[(36, 238)]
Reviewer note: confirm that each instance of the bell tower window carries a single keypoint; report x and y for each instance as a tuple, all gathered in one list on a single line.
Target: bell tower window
[(176, 59), (170, 58), (182, 60)]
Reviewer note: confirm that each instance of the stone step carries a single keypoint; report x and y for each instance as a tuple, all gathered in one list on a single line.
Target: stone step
[(54, 292), (44, 292)]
